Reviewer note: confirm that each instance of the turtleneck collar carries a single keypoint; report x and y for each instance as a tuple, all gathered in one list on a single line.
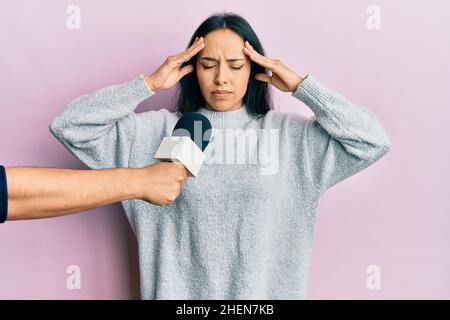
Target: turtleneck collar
[(227, 119)]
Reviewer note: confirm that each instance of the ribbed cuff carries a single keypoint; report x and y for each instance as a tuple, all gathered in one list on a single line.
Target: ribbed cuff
[(312, 93), (142, 77), (3, 195)]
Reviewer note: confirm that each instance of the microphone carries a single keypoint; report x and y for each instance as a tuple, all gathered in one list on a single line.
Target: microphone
[(189, 139)]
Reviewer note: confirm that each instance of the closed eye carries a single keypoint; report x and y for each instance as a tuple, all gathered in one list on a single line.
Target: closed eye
[(234, 68)]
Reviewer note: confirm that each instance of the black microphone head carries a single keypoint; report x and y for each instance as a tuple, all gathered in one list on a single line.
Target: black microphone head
[(195, 126)]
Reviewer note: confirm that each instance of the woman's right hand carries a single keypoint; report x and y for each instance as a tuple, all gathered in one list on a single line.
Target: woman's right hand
[(169, 73)]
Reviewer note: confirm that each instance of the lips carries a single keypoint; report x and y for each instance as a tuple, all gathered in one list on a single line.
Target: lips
[(221, 92)]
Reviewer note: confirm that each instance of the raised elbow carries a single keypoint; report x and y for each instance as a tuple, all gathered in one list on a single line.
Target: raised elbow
[(383, 147), (55, 128)]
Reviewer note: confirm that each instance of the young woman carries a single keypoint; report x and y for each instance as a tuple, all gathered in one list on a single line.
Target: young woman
[(240, 229)]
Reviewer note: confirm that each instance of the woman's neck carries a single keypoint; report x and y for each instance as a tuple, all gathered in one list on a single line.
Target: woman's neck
[(227, 119)]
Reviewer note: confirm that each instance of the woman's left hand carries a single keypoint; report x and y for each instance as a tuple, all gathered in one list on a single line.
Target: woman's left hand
[(282, 77)]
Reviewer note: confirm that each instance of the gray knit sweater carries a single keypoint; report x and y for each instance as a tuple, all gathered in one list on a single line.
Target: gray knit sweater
[(244, 227)]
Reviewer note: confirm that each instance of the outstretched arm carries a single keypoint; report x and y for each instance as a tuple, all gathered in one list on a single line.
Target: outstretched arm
[(35, 193)]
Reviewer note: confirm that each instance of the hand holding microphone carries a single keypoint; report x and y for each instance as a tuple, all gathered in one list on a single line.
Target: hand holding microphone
[(162, 182), (33, 193)]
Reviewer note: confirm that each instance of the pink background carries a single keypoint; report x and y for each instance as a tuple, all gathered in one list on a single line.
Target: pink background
[(396, 214)]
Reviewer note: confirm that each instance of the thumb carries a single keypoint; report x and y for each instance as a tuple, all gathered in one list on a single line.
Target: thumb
[(185, 70), (263, 77)]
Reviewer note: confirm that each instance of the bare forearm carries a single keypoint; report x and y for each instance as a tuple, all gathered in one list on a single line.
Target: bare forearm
[(47, 192)]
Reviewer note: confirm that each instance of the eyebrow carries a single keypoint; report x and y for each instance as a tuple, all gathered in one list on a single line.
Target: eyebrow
[(213, 59)]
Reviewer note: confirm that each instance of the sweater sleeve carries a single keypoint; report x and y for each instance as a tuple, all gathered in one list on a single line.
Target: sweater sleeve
[(99, 127), (3, 195), (341, 139)]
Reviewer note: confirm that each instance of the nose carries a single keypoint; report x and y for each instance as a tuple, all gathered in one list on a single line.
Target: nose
[(221, 74)]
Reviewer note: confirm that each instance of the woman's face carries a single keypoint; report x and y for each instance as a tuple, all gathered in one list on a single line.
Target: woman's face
[(222, 65)]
